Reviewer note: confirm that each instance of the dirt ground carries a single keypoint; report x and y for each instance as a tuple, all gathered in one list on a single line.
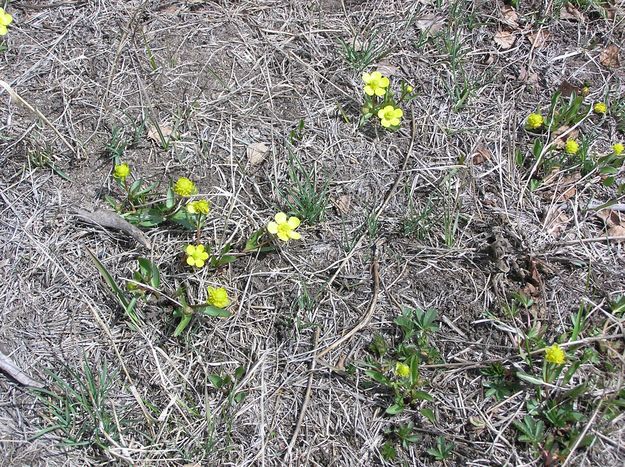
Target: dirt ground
[(441, 214)]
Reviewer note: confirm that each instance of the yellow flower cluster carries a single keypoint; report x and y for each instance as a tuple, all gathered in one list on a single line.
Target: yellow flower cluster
[(555, 354), (600, 108), (5, 20), (201, 206), (534, 121), (218, 297), (390, 116), (121, 171), (402, 370), (184, 187), (375, 83), (571, 147), (618, 149), (196, 255), (284, 228)]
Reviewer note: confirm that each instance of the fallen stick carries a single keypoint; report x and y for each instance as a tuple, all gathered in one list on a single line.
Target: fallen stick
[(11, 369), (112, 220)]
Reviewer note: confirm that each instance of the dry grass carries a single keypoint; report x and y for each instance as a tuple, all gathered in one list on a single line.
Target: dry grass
[(228, 74)]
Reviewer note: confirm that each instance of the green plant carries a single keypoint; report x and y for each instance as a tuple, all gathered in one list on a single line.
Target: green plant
[(500, 382), (79, 408), (360, 54), (43, 158), (418, 223), (227, 385), (531, 431), (380, 101), (403, 435), (306, 195), (441, 450)]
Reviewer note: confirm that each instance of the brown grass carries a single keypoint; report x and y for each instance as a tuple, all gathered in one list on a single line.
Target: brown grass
[(233, 73)]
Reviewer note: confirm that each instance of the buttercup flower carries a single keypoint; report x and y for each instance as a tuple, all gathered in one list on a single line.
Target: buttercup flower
[(201, 206), (390, 116), (571, 146), (409, 88), (121, 171), (555, 354), (218, 297), (375, 83), (5, 20), (535, 121), (600, 108), (196, 256), (402, 370), (284, 228), (184, 187), (618, 149)]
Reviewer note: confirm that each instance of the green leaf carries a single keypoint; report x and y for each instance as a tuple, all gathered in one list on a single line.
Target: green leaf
[(216, 381), (239, 396), (108, 278), (395, 409), (377, 376), (210, 310), (530, 379), (184, 322), (254, 240), (421, 395), (239, 373), (181, 218), (171, 198), (429, 414)]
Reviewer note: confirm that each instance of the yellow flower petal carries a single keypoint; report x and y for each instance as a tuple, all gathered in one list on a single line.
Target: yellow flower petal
[(398, 113), (202, 256), (199, 249), (190, 249), (376, 75), (5, 19), (272, 228), (384, 82), (294, 235), (394, 121), (199, 263), (369, 90), (190, 260), (280, 218), (294, 222), (3, 30), (366, 77), (386, 123), (380, 91), (283, 236)]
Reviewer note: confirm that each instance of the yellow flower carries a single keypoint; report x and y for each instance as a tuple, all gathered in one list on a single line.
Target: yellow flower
[(5, 20), (218, 297), (600, 108), (618, 149), (585, 91), (196, 256), (121, 171), (184, 187), (571, 146), (284, 228), (375, 83), (535, 121), (555, 354), (201, 206), (390, 116), (402, 370), (409, 89)]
